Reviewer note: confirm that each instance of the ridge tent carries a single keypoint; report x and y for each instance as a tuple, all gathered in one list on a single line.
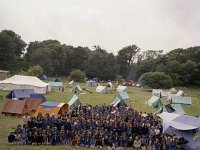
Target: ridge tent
[(180, 93), (20, 93), (91, 83), (43, 77), (156, 92), (76, 89), (101, 89), (164, 94), (72, 83), (24, 82), (56, 85), (154, 101), (181, 100), (182, 125), (75, 101), (18, 107), (53, 108), (118, 103), (171, 108), (121, 89), (57, 79), (122, 96)]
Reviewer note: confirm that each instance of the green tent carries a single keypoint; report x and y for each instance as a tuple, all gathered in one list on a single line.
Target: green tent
[(171, 108), (181, 100), (75, 101), (118, 103), (76, 89), (122, 96), (56, 85), (154, 101)]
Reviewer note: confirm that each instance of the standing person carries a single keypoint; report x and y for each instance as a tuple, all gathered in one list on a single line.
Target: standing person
[(172, 144), (25, 119), (137, 143), (157, 145)]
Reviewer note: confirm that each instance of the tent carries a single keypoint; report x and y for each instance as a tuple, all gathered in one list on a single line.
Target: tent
[(24, 82), (91, 83), (172, 91), (101, 89), (171, 108), (56, 85), (182, 125), (121, 88), (18, 107), (43, 77), (180, 93), (53, 108), (57, 79), (20, 93), (156, 92), (164, 94), (75, 101), (118, 103), (76, 89), (181, 100), (72, 83), (154, 101), (122, 96)]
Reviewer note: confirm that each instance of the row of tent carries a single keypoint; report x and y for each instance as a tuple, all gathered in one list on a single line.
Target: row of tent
[(103, 89)]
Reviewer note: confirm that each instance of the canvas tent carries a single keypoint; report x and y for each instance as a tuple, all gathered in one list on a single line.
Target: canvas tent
[(75, 101), (118, 102), (24, 82), (180, 93), (154, 101), (156, 92), (76, 89), (72, 83), (53, 108), (121, 88), (164, 94), (20, 93), (122, 96), (91, 83), (181, 100), (181, 125), (101, 89), (56, 85), (171, 108)]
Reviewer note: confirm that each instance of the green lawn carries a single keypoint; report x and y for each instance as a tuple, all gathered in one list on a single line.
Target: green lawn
[(138, 101)]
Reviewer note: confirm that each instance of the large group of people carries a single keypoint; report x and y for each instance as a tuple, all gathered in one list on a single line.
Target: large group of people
[(95, 127)]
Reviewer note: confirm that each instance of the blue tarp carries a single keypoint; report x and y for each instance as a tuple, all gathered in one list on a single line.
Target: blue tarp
[(50, 104), (20, 93)]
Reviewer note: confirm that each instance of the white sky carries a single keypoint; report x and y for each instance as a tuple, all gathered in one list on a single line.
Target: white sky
[(112, 24)]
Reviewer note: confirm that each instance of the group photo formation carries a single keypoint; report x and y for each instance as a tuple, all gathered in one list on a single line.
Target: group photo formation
[(109, 74)]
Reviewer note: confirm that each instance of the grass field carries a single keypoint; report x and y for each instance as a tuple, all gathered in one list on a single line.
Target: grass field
[(138, 101)]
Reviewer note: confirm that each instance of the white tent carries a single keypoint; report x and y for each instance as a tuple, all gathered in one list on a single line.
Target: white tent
[(72, 83), (24, 82), (156, 92), (180, 93), (101, 89), (121, 88)]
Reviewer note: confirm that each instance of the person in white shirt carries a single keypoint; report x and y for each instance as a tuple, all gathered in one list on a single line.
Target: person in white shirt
[(25, 118)]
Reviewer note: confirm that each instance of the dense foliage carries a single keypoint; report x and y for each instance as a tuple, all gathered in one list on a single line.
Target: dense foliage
[(157, 80), (182, 65), (77, 75), (35, 71)]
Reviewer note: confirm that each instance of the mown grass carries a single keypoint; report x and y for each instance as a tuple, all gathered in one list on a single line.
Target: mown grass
[(138, 101)]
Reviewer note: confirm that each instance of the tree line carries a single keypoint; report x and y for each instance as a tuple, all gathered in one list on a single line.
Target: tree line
[(181, 65)]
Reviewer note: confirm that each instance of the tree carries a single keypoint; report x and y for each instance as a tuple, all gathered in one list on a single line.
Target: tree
[(77, 75), (156, 80), (35, 71), (126, 57), (11, 49)]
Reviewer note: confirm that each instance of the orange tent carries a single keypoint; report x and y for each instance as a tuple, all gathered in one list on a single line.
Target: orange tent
[(53, 108)]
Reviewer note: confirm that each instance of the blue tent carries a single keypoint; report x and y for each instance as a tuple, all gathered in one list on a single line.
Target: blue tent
[(38, 96), (50, 104), (56, 85), (76, 89), (57, 79), (20, 93), (43, 77)]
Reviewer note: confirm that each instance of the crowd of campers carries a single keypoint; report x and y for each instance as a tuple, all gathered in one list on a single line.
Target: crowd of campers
[(95, 127)]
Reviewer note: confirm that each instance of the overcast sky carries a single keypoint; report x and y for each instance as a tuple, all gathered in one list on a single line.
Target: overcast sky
[(112, 24)]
